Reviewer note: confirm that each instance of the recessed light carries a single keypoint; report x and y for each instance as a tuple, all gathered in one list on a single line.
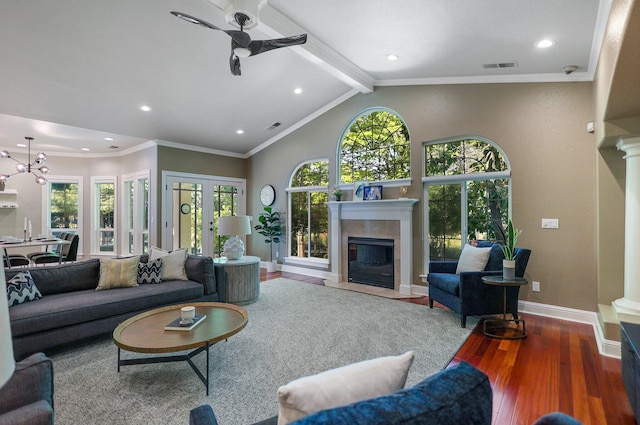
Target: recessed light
[(21, 145), (109, 139), (240, 131), (298, 90), (392, 57), (86, 149), (543, 44), (145, 108)]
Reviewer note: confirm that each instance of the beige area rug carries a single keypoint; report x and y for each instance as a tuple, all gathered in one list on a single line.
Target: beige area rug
[(370, 290)]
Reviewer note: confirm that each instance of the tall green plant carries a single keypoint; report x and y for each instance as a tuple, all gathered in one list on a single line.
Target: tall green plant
[(510, 238), (270, 227)]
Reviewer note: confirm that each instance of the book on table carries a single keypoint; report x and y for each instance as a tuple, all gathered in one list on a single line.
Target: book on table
[(179, 325)]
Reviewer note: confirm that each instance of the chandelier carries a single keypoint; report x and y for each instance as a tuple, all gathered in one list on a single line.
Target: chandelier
[(21, 167)]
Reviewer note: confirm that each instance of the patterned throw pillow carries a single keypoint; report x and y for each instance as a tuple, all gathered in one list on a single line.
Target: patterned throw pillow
[(150, 272), (21, 288)]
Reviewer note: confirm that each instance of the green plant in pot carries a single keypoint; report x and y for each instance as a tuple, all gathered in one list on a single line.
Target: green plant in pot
[(271, 228), (510, 238)]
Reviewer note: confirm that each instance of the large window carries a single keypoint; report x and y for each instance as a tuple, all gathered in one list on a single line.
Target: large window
[(62, 199), (103, 237), (375, 146), (308, 211), (467, 185), (135, 213)]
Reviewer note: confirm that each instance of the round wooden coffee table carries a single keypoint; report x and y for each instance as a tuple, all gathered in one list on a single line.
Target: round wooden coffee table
[(145, 333)]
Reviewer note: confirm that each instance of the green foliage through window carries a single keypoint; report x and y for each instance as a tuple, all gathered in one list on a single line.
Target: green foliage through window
[(64, 205), (309, 217), (486, 198), (375, 147)]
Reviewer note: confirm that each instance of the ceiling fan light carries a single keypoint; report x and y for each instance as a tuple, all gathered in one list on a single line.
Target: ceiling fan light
[(242, 52)]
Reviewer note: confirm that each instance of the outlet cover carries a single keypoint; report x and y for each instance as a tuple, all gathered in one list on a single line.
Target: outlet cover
[(549, 223), (535, 286)]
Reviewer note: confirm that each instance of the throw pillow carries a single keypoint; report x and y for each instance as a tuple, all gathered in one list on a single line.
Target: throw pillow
[(473, 259), (342, 386), (172, 263), (118, 273), (150, 272), (21, 288)]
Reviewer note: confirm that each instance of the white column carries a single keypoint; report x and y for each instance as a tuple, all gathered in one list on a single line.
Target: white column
[(335, 241), (628, 307)]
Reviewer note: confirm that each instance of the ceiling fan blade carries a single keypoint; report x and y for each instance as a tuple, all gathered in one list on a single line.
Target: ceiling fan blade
[(195, 20), (261, 46), (240, 37), (234, 64)]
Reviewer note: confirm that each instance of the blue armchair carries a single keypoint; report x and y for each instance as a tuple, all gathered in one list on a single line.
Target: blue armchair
[(466, 294)]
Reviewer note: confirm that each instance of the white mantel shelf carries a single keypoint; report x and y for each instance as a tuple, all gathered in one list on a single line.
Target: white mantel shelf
[(384, 209)]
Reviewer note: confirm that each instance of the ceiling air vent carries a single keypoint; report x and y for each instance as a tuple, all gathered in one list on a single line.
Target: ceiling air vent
[(113, 147), (274, 125), (500, 65)]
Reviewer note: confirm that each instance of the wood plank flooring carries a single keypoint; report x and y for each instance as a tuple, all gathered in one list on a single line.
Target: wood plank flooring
[(556, 368)]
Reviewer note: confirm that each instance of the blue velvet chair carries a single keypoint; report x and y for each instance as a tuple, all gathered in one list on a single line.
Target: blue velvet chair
[(466, 294)]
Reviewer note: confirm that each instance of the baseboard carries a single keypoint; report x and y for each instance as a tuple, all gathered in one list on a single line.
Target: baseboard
[(606, 347)]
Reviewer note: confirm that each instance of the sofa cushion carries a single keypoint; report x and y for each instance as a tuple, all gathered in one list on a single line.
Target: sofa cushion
[(172, 263), (21, 289), (150, 272), (459, 395), (472, 259), (447, 282), (58, 310), (341, 386), (57, 279), (118, 273)]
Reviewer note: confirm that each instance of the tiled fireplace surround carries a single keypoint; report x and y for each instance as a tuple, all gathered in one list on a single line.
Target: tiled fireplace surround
[(388, 219)]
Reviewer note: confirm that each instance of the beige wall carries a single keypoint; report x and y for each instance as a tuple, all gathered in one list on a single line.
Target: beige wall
[(541, 127)]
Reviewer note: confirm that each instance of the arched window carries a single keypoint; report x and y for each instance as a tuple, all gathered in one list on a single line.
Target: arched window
[(308, 221), (375, 146), (467, 187)]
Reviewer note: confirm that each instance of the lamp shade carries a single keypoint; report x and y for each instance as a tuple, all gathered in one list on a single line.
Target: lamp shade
[(234, 225), (7, 361)]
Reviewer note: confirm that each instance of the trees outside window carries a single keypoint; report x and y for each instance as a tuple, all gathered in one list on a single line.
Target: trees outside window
[(375, 146), (103, 212), (467, 186), (63, 202), (308, 212)]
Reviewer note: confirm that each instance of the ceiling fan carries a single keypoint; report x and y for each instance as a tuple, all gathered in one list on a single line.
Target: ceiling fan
[(241, 44)]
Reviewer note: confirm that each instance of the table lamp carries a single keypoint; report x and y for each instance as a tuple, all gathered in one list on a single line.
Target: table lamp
[(234, 226), (7, 361)]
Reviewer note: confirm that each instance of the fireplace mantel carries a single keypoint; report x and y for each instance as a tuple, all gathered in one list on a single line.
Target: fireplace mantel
[(385, 209)]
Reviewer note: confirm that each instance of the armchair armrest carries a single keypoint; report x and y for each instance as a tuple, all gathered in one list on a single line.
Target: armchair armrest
[(443, 266), (31, 382)]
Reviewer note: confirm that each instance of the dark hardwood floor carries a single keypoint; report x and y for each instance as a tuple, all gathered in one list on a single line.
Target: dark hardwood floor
[(556, 368)]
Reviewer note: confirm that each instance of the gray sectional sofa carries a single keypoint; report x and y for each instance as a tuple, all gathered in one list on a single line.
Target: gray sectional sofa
[(71, 309)]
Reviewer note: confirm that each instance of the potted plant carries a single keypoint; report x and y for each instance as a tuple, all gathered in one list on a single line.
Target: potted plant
[(336, 192), (270, 227), (509, 237)]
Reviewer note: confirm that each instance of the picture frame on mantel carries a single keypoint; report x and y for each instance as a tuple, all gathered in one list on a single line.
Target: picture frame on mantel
[(358, 189), (373, 193)]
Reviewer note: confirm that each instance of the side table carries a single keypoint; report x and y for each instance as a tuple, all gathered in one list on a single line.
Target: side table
[(499, 328), (238, 281)]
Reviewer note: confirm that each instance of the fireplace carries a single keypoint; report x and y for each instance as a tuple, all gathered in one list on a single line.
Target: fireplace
[(371, 261)]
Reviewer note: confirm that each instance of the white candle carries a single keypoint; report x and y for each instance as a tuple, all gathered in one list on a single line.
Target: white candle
[(25, 223), (29, 228)]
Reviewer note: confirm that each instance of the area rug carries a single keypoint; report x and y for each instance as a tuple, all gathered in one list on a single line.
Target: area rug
[(295, 329)]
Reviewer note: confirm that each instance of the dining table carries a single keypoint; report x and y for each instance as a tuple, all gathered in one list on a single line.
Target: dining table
[(29, 243)]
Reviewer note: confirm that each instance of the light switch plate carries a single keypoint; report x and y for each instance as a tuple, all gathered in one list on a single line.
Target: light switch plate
[(549, 223)]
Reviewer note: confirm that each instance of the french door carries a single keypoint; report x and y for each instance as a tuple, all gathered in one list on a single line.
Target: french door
[(192, 205)]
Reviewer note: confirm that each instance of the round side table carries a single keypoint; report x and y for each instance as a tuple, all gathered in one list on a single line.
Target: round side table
[(238, 280), (500, 328)]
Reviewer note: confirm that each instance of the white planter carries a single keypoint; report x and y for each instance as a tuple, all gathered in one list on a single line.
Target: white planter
[(508, 269), (271, 266)]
